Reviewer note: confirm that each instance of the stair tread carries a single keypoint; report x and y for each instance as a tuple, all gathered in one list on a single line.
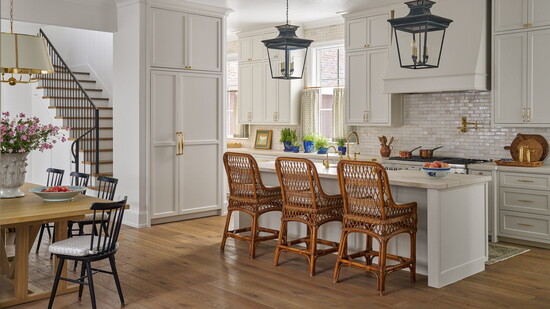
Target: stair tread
[(92, 150), (73, 98), (62, 69), (68, 88), (68, 79), (57, 117), (78, 107), (100, 162), (91, 139)]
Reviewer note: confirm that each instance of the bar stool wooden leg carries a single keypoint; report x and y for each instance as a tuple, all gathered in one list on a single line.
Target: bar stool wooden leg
[(369, 250), (413, 257), (312, 250), (282, 235), (226, 229), (253, 236), (382, 265), (342, 251)]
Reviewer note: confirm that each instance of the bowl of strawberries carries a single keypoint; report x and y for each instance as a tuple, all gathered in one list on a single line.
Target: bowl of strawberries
[(58, 193), (436, 169)]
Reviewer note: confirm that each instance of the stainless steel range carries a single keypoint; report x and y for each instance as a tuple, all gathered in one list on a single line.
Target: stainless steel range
[(458, 165)]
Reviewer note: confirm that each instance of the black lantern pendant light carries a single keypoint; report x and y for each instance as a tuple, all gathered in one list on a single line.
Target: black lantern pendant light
[(424, 32), (287, 53)]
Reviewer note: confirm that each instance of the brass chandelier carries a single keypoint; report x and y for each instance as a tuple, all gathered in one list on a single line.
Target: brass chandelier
[(22, 56)]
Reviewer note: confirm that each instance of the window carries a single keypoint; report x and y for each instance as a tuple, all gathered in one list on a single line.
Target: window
[(234, 130), (329, 74)]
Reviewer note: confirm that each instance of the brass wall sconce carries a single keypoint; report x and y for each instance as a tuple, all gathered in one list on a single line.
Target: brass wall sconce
[(465, 123)]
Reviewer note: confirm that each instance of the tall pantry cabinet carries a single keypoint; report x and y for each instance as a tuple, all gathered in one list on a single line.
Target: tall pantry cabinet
[(186, 69)]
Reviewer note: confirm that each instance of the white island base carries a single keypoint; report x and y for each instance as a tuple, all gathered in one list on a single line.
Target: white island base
[(451, 242)]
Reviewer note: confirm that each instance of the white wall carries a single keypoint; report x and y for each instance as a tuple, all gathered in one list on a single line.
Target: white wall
[(97, 15), (129, 110)]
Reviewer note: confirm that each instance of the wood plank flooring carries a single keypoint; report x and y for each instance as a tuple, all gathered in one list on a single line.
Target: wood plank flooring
[(179, 265)]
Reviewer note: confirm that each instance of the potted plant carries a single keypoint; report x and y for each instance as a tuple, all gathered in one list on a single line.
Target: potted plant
[(341, 145), (309, 140), (19, 136), (288, 137), (321, 144), (296, 147)]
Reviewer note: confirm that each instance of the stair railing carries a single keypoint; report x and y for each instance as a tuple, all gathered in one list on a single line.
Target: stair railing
[(76, 105)]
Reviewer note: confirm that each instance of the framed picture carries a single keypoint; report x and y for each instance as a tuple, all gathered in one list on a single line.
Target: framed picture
[(263, 139)]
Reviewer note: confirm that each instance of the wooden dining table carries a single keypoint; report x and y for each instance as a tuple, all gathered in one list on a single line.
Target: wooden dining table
[(25, 215)]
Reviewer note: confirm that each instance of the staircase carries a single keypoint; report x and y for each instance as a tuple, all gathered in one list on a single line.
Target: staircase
[(75, 99)]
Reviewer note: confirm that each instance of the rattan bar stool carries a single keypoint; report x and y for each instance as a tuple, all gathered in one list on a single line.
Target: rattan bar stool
[(248, 194), (369, 209), (304, 201)]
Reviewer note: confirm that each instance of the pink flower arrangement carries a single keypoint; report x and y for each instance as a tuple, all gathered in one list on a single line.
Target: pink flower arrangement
[(24, 134)]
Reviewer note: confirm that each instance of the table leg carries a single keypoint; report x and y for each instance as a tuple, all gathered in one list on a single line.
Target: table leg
[(61, 234), (21, 288), (4, 262)]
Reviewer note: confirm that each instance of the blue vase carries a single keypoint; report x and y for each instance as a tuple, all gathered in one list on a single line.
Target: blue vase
[(342, 150), (296, 149), (308, 146), (288, 146), (322, 151)]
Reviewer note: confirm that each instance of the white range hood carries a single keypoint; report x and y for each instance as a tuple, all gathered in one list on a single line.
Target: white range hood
[(465, 61)]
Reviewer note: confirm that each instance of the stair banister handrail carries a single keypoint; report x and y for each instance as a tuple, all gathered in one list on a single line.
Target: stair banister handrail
[(76, 143)]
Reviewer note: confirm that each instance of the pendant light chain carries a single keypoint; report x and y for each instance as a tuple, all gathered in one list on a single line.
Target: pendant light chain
[(11, 16), (286, 12)]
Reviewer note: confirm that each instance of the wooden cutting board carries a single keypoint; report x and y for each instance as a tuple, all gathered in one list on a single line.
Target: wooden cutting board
[(534, 141)]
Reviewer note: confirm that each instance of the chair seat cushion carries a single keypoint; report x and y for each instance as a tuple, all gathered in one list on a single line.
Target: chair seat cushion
[(78, 246), (98, 217)]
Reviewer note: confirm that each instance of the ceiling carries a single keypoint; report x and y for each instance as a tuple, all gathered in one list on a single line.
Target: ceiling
[(255, 14)]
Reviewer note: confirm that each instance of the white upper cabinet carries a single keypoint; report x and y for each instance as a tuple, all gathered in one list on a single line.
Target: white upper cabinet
[(538, 93), (251, 47), (510, 78), (204, 43), (185, 41), (356, 90), (520, 14), (368, 32)]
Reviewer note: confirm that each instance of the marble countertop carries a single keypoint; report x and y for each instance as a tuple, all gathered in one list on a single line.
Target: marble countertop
[(491, 166), (417, 179), (313, 155)]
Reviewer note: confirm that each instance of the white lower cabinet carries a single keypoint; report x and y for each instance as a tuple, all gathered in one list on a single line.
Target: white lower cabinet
[(186, 144), (492, 215), (524, 206)]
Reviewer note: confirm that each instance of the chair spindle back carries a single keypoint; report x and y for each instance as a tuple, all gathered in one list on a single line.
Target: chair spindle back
[(112, 214), (55, 177), (106, 187)]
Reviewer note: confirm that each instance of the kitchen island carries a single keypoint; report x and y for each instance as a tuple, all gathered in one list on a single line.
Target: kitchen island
[(452, 220)]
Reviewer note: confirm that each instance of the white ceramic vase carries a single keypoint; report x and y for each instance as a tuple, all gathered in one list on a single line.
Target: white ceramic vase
[(13, 167)]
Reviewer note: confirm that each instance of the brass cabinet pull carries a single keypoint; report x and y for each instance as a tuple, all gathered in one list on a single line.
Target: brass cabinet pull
[(249, 59), (524, 224), (523, 180), (366, 45), (523, 114), (529, 25), (525, 201), (524, 25), (480, 173), (182, 142), (367, 116), (179, 151)]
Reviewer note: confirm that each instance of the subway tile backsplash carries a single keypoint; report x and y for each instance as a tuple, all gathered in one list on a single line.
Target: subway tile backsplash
[(430, 120)]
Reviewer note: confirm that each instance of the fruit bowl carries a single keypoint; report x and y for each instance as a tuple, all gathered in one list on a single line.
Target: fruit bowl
[(436, 172), (59, 194)]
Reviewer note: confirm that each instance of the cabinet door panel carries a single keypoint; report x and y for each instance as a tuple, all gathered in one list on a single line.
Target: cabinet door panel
[(168, 50), (201, 101), (356, 33), (245, 49), (378, 30), (378, 101), (539, 78), (259, 51), (245, 93), (204, 43), (258, 100), (539, 12), (510, 82), (510, 14), (164, 165), (356, 87), (200, 190), (271, 95)]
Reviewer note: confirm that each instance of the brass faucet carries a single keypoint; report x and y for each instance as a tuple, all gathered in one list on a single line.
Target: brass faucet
[(347, 145), (326, 163), (465, 123)]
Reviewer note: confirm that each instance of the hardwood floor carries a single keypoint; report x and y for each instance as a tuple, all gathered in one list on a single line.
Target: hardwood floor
[(179, 265)]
